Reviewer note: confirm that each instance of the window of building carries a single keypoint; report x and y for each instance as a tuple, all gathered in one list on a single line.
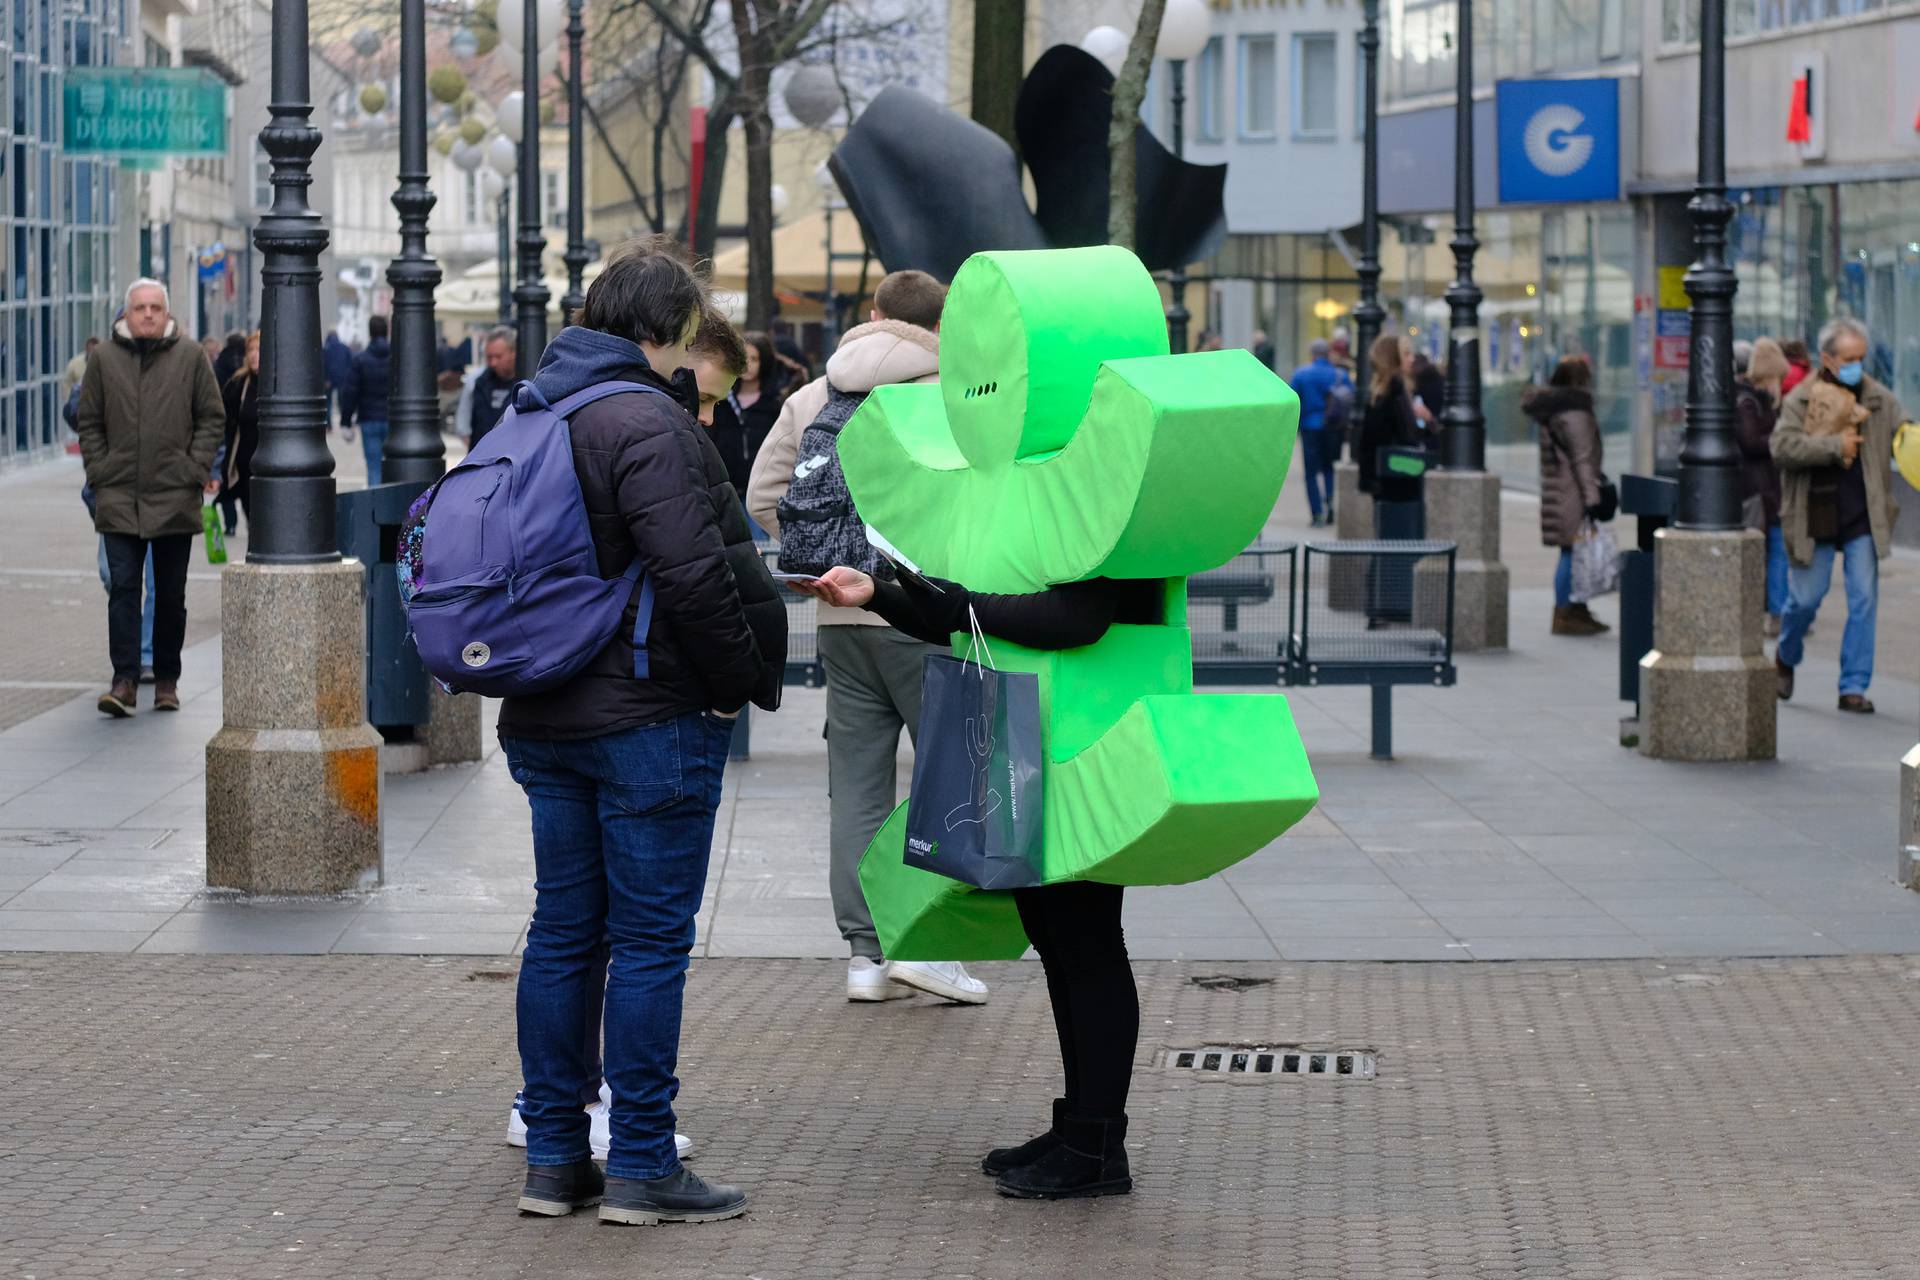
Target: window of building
[(552, 204), (1316, 85), (1259, 87), (1210, 91)]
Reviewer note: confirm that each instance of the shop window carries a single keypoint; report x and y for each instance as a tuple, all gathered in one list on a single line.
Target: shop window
[(1259, 87), (1316, 86)]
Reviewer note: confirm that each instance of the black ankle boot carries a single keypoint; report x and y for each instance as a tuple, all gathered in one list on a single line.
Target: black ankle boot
[(1091, 1160), (1001, 1159), (557, 1190)]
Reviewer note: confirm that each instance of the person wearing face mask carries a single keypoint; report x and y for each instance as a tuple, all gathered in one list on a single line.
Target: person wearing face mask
[(1756, 406), (1836, 499)]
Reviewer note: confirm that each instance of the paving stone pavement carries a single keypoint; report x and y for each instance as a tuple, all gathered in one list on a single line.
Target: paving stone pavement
[(220, 1117)]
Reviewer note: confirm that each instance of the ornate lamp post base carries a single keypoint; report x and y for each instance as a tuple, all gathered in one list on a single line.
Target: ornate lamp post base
[(1707, 686), (293, 775), (1464, 506)]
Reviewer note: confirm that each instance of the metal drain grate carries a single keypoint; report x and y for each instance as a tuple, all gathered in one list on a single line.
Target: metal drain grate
[(1229, 1060)]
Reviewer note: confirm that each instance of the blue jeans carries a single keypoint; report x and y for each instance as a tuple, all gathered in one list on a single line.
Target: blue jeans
[(1808, 587), (146, 610), (1318, 449), (622, 826), (373, 438), (1563, 579), (1777, 567)]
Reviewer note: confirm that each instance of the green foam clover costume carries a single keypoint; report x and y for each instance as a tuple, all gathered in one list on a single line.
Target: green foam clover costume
[(1064, 443)]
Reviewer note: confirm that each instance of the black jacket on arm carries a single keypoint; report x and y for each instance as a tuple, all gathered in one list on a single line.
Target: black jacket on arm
[(655, 487)]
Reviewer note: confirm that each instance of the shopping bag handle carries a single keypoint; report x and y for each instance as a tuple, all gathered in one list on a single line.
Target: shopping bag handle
[(977, 644)]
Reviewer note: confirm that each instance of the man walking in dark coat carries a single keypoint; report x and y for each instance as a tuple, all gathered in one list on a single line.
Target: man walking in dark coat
[(365, 395), (149, 421)]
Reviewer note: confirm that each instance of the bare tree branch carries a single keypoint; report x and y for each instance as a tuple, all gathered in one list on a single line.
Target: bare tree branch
[(1129, 91)]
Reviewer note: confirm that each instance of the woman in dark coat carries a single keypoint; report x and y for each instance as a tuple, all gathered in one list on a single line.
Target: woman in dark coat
[(1756, 406), (743, 420), (1392, 418), (242, 396), (1074, 926), (1570, 479)]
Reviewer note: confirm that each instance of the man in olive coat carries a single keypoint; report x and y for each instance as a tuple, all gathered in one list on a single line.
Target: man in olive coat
[(150, 420)]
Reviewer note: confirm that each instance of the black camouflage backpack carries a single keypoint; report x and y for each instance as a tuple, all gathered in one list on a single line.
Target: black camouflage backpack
[(818, 526)]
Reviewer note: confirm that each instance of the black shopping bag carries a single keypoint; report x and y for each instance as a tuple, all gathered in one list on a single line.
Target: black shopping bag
[(975, 812)]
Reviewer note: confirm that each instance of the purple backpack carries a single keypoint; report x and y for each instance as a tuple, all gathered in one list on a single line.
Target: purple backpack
[(497, 567)]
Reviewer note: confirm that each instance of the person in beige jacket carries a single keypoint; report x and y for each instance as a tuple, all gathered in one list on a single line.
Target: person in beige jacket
[(1836, 500), (873, 671)]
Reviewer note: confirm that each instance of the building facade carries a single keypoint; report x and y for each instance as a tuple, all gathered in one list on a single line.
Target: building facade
[(61, 226)]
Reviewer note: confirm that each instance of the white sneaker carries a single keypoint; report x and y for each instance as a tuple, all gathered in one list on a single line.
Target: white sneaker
[(867, 982), (947, 979), (599, 1132)]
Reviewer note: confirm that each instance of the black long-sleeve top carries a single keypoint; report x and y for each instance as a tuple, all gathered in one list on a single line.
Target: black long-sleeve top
[(1063, 617)]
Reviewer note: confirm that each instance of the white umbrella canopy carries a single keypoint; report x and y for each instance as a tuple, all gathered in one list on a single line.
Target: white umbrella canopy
[(474, 295)]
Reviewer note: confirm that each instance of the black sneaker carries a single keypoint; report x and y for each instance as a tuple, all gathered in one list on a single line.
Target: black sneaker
[(557, 1190), (681, 1196)]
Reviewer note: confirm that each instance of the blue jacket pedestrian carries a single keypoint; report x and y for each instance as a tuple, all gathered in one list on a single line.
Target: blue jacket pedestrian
[(1313, 381), (363, 391), (337, 359)]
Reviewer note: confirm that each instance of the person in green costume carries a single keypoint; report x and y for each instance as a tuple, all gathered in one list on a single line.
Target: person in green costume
[(1071, 474)]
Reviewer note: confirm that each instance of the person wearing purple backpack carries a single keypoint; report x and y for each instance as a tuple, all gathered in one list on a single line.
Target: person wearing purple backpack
[(623, 772)]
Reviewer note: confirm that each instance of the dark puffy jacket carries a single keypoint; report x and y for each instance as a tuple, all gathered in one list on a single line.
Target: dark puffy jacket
[(1754, 414), (364, 397), (149, 421), (1570, 460), (655, 486)]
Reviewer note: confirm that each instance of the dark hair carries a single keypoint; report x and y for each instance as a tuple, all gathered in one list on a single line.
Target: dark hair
[(376, 328), (647, 293), (1794, 349), (1572, 371), (770, 366), (718, 340), (911, 297)]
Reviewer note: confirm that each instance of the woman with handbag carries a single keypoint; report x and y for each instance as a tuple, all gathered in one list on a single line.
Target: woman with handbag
[(1756, 406), (1571, 480), (242, 396), (1075, 926)]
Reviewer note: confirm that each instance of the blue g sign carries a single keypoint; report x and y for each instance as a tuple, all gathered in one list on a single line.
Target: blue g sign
[(1559, 140)]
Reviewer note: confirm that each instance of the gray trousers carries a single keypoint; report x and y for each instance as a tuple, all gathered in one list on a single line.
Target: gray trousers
[(873, 690)]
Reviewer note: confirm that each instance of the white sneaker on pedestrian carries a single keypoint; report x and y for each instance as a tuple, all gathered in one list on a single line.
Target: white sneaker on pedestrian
[(867, 982), (947, 979), (599, 1131)]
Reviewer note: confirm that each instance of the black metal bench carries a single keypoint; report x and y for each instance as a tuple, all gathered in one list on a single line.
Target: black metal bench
[(1259, 583), (1400, 630)]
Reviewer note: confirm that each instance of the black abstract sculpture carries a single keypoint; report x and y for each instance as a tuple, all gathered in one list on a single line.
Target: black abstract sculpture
[(930, 188)]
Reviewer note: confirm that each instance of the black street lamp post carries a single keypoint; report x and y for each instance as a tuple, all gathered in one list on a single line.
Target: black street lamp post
[(414, 452), (506, 253), (1466, 447), (293, 491), (531, 297), (1709, 458), (1369, 315), (1177, 313), (576, 256)]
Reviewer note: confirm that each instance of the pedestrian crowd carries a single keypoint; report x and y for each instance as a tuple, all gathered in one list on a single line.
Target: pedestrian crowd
[(691, 444)]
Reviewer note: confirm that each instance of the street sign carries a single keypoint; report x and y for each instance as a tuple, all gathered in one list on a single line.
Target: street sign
[(1559, 140), (145, 111)]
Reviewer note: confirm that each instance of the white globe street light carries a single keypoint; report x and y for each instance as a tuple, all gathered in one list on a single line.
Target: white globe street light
[(548, 59), (509, 115), (466, 155), (1109, 44), (502, 155), (1184, 30), (812, 95), (511, 19), (492, 185)]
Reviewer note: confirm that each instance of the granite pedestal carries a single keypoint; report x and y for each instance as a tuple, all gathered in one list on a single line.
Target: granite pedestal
[(1463, 507), (1910, 818), (453, 730), (1706, 687), (293, 776), (1352, 522)]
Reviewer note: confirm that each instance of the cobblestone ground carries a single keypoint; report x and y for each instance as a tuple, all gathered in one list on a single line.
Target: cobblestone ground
[(342, 1117)]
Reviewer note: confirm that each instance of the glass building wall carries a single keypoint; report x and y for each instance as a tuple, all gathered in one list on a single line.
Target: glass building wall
[(57, 215)]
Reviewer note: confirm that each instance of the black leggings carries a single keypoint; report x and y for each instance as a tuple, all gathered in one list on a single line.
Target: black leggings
[(1076, 929)]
